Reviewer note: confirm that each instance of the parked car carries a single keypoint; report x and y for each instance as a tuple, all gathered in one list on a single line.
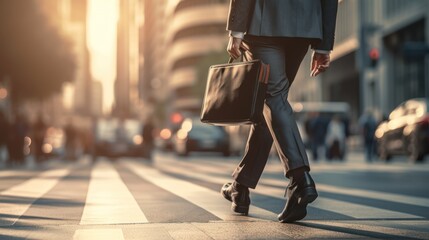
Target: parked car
[(117, 138), (406, 131), (194, 136)]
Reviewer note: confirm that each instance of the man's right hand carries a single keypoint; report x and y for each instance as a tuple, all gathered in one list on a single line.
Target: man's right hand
[(234, 47)]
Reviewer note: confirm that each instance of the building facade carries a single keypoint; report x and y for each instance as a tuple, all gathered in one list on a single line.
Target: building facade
[(401, 73), (127, 101), (371, 68), (177, 36), (152, 86), (197, 28)]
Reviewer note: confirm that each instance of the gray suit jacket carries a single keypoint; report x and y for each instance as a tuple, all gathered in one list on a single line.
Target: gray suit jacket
[(312, 19)]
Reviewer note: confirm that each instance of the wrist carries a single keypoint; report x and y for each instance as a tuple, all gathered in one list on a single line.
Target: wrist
[(235, 34), (326, 52)]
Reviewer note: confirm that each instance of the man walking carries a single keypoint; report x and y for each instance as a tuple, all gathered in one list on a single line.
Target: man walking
[(279, 32)]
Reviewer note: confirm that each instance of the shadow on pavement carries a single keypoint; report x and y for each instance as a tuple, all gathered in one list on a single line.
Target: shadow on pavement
[(363, 233)]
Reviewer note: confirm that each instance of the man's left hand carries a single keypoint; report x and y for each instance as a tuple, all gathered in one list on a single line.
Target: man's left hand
[(319, 63)]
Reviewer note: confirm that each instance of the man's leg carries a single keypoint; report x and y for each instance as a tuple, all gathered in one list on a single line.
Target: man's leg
[(260, 140), (288, 141), (255, 157)]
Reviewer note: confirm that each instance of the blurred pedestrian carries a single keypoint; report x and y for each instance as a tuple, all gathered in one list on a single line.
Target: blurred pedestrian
[(318, 126), (38, 137), (19, 129), (368, 126), (148, 138), (70, 141), (279, 33), (4, 128), (335, 138)]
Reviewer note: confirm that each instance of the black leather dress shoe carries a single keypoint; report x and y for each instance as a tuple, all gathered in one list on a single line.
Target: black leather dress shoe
[(240, 199), (298, 196)]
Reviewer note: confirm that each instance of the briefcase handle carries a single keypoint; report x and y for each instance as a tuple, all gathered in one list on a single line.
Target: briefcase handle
[(243, 57)]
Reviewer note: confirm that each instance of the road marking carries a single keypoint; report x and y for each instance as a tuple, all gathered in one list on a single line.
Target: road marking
[(341, 207), (14, 173), (109, 201), (207, 199), (93, 234), (389, 197), (26, 193), (373, 228)]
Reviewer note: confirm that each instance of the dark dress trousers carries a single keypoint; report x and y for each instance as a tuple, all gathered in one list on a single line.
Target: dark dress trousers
[(279, 32)]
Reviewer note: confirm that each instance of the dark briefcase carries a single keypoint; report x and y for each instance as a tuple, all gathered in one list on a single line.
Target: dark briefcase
[(235, 93)]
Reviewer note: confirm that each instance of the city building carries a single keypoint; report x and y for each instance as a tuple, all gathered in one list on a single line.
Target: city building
[(73, 22), (152, 87), (196, 29), (379, 57), (178, 35), (399, 31), (127, 100)]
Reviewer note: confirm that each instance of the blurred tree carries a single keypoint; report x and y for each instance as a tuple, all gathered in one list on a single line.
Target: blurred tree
[(211, 58), (33, 53)]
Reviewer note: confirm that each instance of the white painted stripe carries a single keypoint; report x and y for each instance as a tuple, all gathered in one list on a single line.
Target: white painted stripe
[(390, 197), (341, 207), (376, 227), (109, 201), (360, 211), (14, 173), (93, 234), (205, 198), (26, 193)]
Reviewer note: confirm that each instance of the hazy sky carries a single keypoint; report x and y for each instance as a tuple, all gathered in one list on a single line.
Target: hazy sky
[(102, 21)]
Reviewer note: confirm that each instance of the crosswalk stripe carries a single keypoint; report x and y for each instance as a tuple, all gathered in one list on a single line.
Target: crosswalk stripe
[(105, 234), (14, 173), (370, 194), (390, 197), (341, 207), (108, 200), (28, 191), (200, 196)]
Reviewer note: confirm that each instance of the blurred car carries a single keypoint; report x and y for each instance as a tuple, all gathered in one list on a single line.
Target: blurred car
[(406, 131), (194, 136), (118, 138)]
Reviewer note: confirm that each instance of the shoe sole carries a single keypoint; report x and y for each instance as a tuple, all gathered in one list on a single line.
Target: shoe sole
[(240, 209), (300, 209)]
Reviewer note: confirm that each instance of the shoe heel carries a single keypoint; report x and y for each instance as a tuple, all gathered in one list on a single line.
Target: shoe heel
[(240, 209), (308, 195)]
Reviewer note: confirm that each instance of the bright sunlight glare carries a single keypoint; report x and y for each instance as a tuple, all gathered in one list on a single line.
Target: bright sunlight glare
[(102, 22)]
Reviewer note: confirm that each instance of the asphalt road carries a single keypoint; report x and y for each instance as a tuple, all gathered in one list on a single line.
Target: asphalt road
[(178, 198)]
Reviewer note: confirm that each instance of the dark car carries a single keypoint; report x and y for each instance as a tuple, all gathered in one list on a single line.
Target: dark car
[(117, 138), (406, 131), (194, 136)]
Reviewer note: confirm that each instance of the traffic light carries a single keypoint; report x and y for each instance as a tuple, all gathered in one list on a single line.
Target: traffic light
[(374, 55)]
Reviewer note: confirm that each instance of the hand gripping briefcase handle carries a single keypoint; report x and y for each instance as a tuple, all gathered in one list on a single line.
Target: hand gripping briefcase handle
[(235, 93)]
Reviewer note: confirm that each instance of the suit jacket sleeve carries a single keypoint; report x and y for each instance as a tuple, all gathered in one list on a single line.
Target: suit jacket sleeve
[(329, 18), (239, 15)]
